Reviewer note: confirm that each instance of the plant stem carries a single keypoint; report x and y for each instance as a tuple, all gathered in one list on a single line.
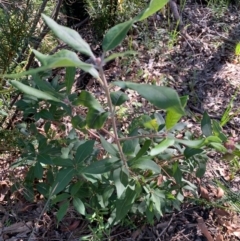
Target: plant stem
[(117, 141)]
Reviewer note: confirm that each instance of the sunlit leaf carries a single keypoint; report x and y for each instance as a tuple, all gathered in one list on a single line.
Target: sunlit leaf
[(162, 146), (153, 7), (69, 36), (32, 91), (206, 125), (162, 97), (79, 206), (115, 35)]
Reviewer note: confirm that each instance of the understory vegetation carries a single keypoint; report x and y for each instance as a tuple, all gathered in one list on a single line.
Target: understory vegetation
[(119, 146)]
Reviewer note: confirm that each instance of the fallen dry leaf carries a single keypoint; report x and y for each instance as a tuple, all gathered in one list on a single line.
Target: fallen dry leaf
[(220, 193), (221, 212), (204, 193), (237, 233), (219, 237), (159, 180), (4, 188), (72, 227), (202, 226)]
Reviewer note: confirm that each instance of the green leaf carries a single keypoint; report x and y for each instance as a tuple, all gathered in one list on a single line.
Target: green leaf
[(143, 149), (87, 99), (45, 114), (189, 152), (102, 166), (201, 169), (173, 117), (32, 91), (191, 143), (63, 177), (116, 55), (210, 139), (144, 163), (219, 147), (69, 36), (65, 58), (109, 147), (152, 124), (79, 206), (69, 78), (120, 179), (118, 98), (84, 151), (206, 125), (157, 198), (217, 130), (43, 188), (177, 173), (63, 162), (61, 197), (153, 7), (78, 122), (115, 35), (96, 119), (62, 211), (38, 170), (46, 87), (162, 146), (150, 213), (162, 97), (44, 158), (124, 204), (129, 146), (74, 188), (47, 127)]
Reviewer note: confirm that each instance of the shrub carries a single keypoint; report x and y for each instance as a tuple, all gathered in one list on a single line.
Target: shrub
[(145, 171)]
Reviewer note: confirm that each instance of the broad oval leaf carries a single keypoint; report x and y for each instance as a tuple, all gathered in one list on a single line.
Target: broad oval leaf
[(109, 147), (62, 211), (65, 58), (84, 151), (96, 119), (191, 143), (129, 146), (102, 166), (162, 97), (38, 170), (88, 100), (162, 146), (69, 36), (63, 177), (206, 125), (115, 35), (124, 204), (32, 91), (144, 163), (219, 147), (69, 78), (79, 206), (189, 152), (120, 178), (173, 117), (118, 98)]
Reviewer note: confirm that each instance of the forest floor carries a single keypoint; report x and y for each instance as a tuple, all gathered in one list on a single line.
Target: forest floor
[(203, 66)]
